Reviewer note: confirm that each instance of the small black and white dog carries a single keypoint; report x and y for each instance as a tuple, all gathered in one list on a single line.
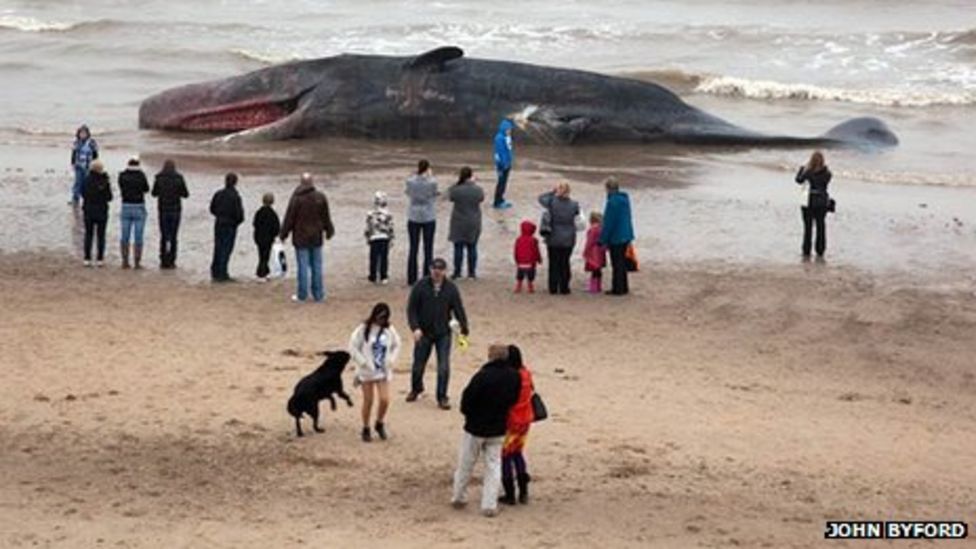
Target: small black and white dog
[(319, 385)]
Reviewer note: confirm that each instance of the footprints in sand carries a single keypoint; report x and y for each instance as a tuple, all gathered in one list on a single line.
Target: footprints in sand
[(71, 397), (898, 398)]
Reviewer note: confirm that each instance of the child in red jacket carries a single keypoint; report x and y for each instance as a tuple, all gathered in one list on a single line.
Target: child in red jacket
[(527, 256), (595, 255), (516, 430)]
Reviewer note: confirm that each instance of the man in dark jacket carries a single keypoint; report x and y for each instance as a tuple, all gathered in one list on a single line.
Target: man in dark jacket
[(228, 212), (485, 403), (433, 300), (308, 217), (170, 189)]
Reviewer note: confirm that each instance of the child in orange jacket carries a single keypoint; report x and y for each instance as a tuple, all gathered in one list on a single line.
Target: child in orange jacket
[(519, 419)]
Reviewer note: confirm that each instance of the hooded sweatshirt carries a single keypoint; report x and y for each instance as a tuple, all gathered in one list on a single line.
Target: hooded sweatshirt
[(379, 220), (503, 146), (307, 217), (527, 253)]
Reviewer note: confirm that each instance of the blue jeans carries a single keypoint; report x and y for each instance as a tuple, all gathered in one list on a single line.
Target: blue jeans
[(81, 173), (133, 222), (459, 248), (310, 258), (501, 186), (421, 352), (224, 236)]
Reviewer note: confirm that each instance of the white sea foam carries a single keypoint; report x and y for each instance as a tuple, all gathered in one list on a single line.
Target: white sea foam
[(770, 90), (30, 24), (268, 58)]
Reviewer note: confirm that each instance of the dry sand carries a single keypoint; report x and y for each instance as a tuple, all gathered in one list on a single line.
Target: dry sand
[(712, 408)]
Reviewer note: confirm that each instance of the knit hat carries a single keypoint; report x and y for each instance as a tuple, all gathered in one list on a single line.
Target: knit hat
[(379, 199)]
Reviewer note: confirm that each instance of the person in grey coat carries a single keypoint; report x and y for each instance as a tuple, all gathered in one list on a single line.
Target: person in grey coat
[(421, 189), (467, 197), (559, 230)]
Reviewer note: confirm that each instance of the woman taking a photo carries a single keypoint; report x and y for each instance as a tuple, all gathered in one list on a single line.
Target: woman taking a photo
[(815, 177), (374, 346)]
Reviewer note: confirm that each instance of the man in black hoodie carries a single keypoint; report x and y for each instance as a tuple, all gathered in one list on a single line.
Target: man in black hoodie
[(485, 403), (228, 212), (170, 189)]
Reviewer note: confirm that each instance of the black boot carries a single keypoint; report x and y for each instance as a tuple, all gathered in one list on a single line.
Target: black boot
[(508, 484), (523, 486)]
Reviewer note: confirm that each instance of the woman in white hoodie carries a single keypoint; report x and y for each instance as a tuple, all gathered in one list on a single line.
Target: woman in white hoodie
[(374, 347)]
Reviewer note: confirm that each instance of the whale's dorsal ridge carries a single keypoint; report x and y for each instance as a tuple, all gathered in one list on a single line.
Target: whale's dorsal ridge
[(435, 58)]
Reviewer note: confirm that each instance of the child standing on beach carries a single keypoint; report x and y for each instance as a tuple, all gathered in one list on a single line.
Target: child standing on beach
[(527, 256), (266, 229), (595, 255), (379, 235)]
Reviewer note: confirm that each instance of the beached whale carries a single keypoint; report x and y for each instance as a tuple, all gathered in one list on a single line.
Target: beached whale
[(443, 95)]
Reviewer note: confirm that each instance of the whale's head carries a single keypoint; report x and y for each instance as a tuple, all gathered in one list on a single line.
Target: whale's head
[(258, 99)]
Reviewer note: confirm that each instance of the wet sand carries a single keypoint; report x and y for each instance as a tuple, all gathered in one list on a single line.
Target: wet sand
[(724, 403)]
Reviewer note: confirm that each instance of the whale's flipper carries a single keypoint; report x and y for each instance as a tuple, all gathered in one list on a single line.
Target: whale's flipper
[(435, 59), (865, 130)]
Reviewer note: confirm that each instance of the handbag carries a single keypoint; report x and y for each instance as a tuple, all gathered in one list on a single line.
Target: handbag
[(579, 222), (831, 205), (545, 224), (539, 411), (630, 259)]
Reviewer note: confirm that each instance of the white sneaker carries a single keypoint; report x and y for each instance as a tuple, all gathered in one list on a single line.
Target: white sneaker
[(294, 298), (88, 263), (99, 263), (385, 281)]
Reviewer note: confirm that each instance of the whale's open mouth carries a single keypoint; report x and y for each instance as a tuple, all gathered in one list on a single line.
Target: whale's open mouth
[(238, 116)]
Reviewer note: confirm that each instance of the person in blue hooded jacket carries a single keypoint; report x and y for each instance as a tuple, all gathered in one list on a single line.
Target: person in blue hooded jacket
[(617, 234), (83, 153), (503, 161)]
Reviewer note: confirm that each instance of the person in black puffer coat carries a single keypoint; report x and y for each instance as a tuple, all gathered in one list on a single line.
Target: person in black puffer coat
[(96, 194), (815, 203), (170, 190), (485, 403)]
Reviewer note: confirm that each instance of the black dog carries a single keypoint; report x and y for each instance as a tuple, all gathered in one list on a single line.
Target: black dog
[(319, 385)]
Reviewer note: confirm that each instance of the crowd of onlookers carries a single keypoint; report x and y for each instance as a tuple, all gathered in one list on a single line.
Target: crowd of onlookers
[(497, 403)]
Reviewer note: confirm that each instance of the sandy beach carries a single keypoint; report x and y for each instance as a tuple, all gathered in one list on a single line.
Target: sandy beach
[(732, 405), (739, 397)]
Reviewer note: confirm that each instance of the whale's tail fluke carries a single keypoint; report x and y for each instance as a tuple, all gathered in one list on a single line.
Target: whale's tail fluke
[(862, 131)]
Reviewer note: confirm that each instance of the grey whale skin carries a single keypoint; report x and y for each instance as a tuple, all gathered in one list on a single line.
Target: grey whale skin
[(442, 95)]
